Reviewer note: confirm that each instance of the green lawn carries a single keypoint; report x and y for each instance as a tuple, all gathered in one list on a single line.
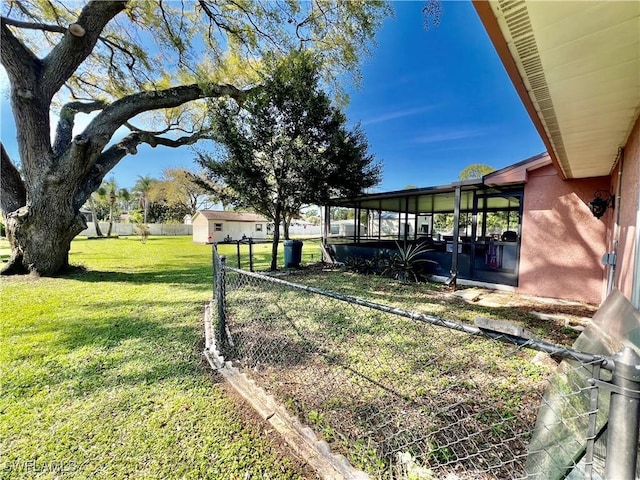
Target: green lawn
[(102, 375)]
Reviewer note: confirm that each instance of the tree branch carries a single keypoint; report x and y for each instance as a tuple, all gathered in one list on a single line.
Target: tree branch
[(20, 62), (151, 139), (34, 26), (72, 50), (133, 128), (127, 146), (64, 130), (248, 15), (13, 194), (75, 30), (221, 25), (130, 143), (111, 45), (101, 129)]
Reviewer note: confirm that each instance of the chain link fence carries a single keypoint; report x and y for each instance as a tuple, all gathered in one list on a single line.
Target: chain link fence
[(408, 395)]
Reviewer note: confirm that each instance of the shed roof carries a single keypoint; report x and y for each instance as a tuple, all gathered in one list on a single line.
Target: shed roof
[(231, 216)]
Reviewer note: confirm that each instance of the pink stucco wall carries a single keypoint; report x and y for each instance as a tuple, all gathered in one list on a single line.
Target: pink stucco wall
[(562, 242), (628, 205)]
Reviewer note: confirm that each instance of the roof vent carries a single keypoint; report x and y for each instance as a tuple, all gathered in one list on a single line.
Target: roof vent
[(516, 17)]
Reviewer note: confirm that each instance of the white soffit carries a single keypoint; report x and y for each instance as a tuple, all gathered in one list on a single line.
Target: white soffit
[(580, 63)]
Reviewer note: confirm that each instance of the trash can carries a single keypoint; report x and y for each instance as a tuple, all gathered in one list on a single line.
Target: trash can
[(292, 253)]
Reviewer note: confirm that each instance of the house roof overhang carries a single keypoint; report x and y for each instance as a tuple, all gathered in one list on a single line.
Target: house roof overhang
[(439, 199), (518, 173), (412, 200), (576, 67)]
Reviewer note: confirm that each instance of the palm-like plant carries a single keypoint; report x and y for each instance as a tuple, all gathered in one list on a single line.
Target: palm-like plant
[(112, 202), (125, 199), (94, 213), (405, 264), (105, 196), (143, 188)]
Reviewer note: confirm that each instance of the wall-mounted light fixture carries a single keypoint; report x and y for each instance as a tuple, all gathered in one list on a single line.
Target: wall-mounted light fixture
[(602, 199)]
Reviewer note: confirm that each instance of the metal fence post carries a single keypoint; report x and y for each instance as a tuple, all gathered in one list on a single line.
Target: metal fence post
[(624, 414), (214, 269), (238, 248), (250, 255), (221, 300)]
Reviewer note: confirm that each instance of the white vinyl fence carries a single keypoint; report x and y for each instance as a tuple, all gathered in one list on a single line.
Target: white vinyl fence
[(125, 229), (301, 230)]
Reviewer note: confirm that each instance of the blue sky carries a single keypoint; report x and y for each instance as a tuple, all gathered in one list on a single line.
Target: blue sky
[(434, 101), (431, 102)]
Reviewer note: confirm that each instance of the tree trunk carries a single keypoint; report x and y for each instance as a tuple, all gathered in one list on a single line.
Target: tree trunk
[(40, 236), (146, 210), (276, 239), (95, 217), (285, 227), (110, 220)]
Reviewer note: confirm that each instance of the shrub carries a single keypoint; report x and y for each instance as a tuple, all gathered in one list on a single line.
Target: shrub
[(358, 265), (142, 230), (405, 264)]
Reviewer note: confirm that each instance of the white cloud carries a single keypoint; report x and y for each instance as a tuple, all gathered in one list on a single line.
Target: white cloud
[(397, 114), (450, 135)]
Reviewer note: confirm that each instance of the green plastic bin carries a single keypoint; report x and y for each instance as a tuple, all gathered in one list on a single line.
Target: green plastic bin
[(292, 253)]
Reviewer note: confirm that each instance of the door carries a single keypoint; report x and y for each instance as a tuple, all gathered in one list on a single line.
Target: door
[(496, 237)]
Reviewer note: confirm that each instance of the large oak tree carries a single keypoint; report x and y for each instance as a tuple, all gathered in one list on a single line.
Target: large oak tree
[(118, 60)]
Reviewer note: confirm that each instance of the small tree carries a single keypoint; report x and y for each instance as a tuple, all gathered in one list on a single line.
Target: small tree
[(182, 193), (341, 213), (112, 196), (476, 170), (142, 189), (287, 147), (94, 213), (102, 204)]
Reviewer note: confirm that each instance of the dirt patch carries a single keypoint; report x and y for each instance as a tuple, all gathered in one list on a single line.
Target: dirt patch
[(493, 298), (562, 320)]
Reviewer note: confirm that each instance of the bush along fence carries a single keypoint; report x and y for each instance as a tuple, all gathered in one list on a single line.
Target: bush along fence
[(407, 395)]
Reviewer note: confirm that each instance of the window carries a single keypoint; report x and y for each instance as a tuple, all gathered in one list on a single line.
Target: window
[(217, 227), (258, 227)]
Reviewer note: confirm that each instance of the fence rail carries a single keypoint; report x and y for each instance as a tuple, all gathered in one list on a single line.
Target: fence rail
[(407, 395)]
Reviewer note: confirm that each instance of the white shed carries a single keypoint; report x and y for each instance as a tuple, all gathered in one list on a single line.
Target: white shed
[(346, 228), (211, 226)]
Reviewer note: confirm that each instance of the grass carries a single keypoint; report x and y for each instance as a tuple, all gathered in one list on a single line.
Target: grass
[(376, 385), (434, 299), (102, 375)]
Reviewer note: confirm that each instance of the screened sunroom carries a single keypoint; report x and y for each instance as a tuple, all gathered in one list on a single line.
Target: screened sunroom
[(467, 229)]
